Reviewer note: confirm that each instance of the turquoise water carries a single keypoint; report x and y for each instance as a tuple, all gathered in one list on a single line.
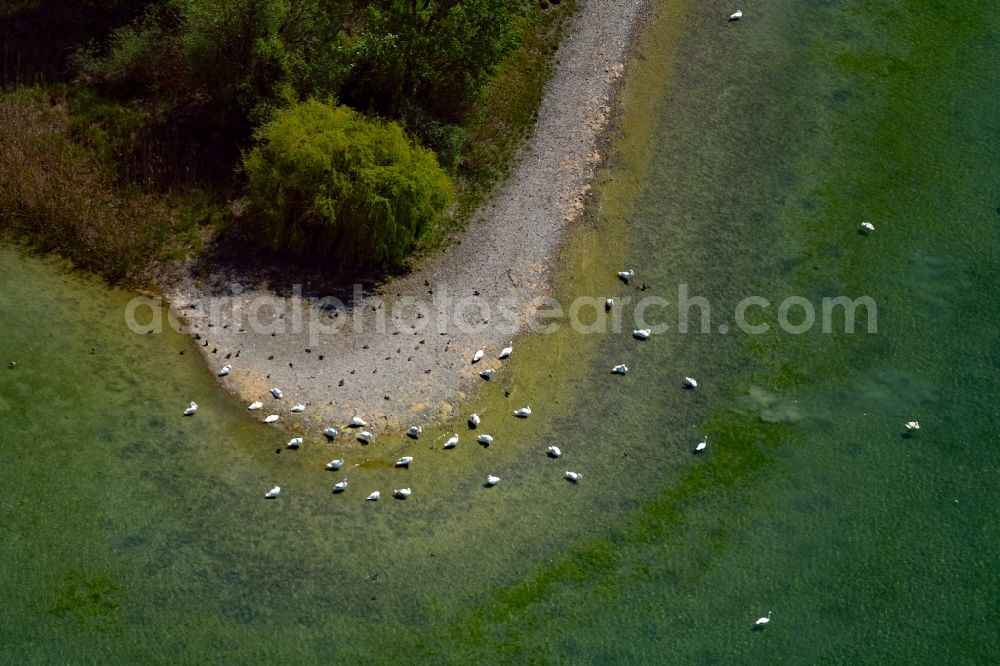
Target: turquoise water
[(131, 532)]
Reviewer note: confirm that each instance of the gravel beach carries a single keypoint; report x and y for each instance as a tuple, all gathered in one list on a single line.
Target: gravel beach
[(402, 353)]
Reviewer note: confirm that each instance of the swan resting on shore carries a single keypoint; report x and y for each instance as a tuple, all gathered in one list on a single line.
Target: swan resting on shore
[(294, 443), (492, 480), (299, 408), (340, 486), (257, 404), (404, 461), (487, 374), (608, 304), (191, 409), (523, 412), (690, 382), (625, 276), (374, 496), (271, 418), (366, 436), (335, 464), (452, 442), (414, 431), (506, 351), (401, 493), (553, 452), (272, 493), (912, 426), (331, 433), (485, 440), (276, 392), (357, 422), (573, 477), (478, 356), (736, 16), (641, 333), (619, 369), (474, 420), (225, 370)]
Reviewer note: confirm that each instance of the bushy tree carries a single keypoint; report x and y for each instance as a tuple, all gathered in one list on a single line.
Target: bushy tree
[(325, 180)]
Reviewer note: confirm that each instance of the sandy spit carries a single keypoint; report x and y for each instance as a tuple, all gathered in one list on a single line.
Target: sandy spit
[(401, 354)]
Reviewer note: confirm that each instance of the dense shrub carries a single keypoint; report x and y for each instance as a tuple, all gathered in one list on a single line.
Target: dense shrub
[(326, 180)]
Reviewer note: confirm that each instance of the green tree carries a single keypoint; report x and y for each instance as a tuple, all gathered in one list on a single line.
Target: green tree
[(325, 180)]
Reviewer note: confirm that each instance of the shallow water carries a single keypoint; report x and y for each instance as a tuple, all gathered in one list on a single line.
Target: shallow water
[(748, 155)]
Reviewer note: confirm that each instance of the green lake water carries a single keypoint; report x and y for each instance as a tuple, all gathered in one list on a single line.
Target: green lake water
[(746, 156)]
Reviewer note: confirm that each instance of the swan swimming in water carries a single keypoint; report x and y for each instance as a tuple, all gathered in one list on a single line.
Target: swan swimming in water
[(452, 442), (912, 426), (763, 620), (487, 374), (620, 369), (553, 452), (225, 370), (478, 356), (272, 493), (474, 420), (366, 436), (700, 446), (357, 422), (374, 496), (641, 333), (573, 477), (867, 227), (191, 409), (340, 486), (299, 408), (492, 480), (294, 443), (404, 461), (736, 16), (401, 493), (255, 405), (484, 439), (276, 392), (271, 419), (414, 431), (506, 351), (523, 412), (690, 382), (335, 464), (625, 276), (331, 433)]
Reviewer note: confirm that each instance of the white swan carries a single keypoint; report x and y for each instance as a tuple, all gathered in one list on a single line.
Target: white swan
[(225, 370), (414, 431), (620, 369), (912, 425), (401, 493), (335, 464), (271, 418), (452, 442), (357, 422), (553, 451), (608, 304), (331, 433), (474, 420), (298, 408), (492, 480), (374, 496), (736, 16), (255, 405), (366, 436), (485, 439), (641, 333), (340, 486), (487, 374), (272, 493), (867, 226), (523, 412), (276, 392), (573, 477), (506, 351), (294, 443), (478, 356), (625, 276), (763, 620), (404, 461), (191, 409), (690, 382), (700, 446)]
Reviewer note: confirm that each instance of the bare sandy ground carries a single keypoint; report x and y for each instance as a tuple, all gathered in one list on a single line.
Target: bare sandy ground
[(402, 353)]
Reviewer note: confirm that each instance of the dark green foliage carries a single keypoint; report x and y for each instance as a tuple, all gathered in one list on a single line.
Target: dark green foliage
[(327, 181)]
